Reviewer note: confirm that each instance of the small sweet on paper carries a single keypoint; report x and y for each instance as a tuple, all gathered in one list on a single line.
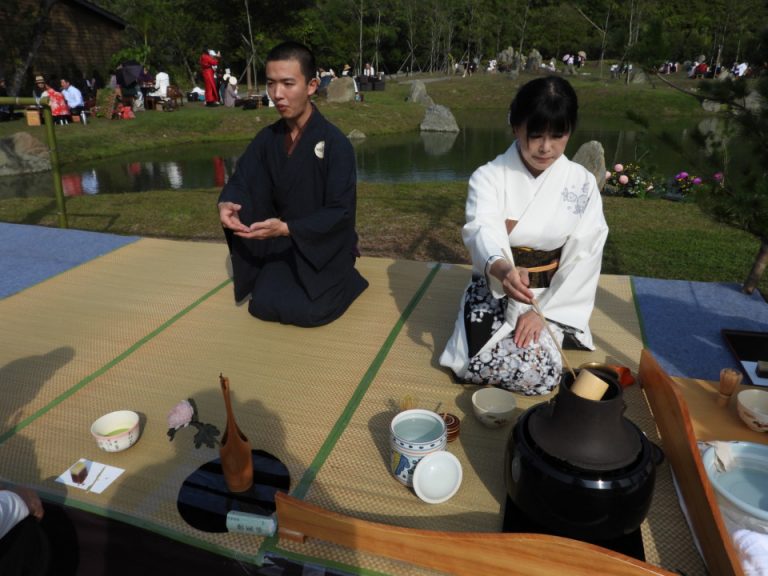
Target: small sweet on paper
[(79, 472)]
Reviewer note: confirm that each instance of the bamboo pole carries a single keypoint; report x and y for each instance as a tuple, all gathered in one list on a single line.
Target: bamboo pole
[(52, 150)]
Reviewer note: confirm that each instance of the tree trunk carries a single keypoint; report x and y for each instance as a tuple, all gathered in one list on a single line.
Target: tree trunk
[(758, 268), (40, 28)]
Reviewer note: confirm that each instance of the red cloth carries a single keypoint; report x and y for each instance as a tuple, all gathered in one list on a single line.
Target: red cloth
[(207, 62)]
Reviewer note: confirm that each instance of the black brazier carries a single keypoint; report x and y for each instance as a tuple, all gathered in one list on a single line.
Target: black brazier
[(579, 467)]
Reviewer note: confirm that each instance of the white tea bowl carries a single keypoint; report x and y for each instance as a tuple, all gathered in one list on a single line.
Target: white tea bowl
[(494, 407), (752, 406), (116, 431)]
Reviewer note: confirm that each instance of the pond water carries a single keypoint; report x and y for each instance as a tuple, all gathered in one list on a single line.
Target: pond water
[(410, 157)]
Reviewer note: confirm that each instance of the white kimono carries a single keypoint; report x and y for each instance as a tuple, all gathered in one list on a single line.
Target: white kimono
[(560, 207)]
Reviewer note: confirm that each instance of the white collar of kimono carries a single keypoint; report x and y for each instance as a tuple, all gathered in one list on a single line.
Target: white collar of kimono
[(517, 158)]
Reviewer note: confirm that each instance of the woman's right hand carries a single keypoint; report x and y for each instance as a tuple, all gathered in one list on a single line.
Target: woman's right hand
[(514, 281)]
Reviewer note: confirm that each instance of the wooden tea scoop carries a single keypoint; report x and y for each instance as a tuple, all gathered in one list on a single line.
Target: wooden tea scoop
[(729, 380)]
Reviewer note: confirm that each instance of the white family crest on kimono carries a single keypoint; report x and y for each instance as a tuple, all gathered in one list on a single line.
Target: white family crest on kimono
[(560, 208)]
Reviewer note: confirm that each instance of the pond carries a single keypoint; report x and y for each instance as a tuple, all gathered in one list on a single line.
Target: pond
[(410, 157)]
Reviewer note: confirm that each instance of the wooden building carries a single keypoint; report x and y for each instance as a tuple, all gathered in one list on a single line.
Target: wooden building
[(80, 39)]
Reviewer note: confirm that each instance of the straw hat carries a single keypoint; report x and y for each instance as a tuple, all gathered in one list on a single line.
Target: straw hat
[(39, 78), (347, 67)]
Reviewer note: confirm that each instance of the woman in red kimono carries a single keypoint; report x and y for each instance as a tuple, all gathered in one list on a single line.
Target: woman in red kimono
[(208, 61)]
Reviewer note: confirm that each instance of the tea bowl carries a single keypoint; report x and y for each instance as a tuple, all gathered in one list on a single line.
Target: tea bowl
[(494, 407), (116, 431), (752, 406)]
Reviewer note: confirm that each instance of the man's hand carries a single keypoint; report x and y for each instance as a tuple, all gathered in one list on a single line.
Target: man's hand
[(528, 329), (270, 228), (229, 215), (513, 280)]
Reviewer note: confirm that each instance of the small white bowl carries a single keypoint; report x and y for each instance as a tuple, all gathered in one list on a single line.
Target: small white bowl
[(753, 409), (494, 407), (437, 477), (116, 431)]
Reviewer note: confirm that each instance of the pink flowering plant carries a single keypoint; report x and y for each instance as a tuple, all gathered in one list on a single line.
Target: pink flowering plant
[(628, 180), (185, 414)]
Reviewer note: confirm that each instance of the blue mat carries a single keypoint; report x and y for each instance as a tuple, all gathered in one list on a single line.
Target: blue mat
[(31, 254), (682, 320)]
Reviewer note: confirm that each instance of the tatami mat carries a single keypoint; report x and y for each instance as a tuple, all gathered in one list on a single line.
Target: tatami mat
[(154, 322)]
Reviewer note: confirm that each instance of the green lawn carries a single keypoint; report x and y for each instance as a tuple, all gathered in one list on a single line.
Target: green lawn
[(654, 238)]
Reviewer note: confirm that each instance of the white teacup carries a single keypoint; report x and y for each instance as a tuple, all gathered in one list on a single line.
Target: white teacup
[(414, 434)]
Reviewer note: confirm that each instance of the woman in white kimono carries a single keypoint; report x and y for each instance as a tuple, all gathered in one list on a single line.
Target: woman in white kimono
[(535, 229)]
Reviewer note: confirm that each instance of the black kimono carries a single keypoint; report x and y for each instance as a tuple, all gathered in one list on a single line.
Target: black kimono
[(307, 278)]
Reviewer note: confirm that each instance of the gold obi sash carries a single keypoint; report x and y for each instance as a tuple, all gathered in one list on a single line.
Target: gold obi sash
[(541, 264)]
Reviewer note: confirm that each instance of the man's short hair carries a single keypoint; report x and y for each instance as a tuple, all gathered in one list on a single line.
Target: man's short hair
[(295, 51)]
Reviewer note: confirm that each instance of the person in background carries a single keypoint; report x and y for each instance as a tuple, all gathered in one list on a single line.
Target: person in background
[(24, 547), (58, 104), (162, 81), (6, 111), (368, 70), (535, 229), (39, 89), (209, 61), (288, 211), (146, 82), (230, 92), (74, 98)]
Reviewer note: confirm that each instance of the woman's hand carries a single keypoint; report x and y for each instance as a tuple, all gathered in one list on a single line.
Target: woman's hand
[(528, 329), (32, 500), (514, 281)]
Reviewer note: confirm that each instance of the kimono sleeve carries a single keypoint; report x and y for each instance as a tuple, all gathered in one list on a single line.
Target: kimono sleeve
[(323, 234), (570, 297), (250, 185), (485, 234)]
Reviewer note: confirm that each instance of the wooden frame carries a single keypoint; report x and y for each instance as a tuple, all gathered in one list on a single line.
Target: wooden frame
[(676, 429), (461, 553)]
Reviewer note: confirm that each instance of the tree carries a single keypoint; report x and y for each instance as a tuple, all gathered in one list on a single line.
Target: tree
[(739, 195), (31, 44)]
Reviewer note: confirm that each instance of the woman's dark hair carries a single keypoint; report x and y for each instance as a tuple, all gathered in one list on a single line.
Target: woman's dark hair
[(295, 51), (547, 104)]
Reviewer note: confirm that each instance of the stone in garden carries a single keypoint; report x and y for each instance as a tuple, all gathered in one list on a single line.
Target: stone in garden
[(591, 155), (754, 102), (724, 74), (533, 64), (711, 105), (22, 153), (356, 135), (439, 118), (419, 94), (639, 77), (505, 59), (341, 90)]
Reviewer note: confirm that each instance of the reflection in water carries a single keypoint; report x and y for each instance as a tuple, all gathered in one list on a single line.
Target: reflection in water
[(410, 157), (143, 176), (438, 143)]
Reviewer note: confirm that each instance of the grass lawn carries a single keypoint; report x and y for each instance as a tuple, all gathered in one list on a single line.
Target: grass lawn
[(654, 238), (419, 221)]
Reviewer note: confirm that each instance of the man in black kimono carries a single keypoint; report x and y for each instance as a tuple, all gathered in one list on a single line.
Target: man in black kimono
[(289, 209)]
